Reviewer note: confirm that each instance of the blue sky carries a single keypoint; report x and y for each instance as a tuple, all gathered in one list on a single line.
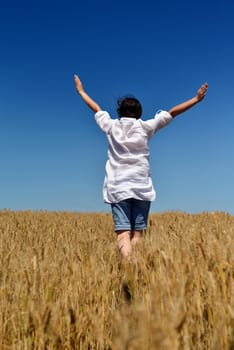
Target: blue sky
[(53, 154)]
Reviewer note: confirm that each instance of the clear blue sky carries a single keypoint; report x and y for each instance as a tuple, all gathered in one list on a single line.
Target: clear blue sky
[(53, 154)]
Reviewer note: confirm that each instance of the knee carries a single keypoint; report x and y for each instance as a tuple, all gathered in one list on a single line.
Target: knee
[(124, 243), (123, 235)]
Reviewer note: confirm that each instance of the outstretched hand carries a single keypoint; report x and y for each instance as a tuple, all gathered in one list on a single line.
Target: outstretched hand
[(78, 84), (87, 99), (182, 107), (201, 93)]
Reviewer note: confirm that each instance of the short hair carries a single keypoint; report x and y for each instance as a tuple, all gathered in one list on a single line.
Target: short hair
[(129, 106)]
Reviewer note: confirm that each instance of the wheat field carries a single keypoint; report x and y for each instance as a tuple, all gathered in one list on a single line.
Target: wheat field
[(63, 284)]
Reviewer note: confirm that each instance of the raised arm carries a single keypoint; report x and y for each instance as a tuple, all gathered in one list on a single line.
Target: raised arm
[(87, 99), (181, 108)]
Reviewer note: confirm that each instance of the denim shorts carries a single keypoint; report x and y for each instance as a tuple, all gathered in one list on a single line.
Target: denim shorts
[(130, 214)]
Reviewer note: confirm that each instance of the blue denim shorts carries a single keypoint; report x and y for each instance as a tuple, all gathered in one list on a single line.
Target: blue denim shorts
[(130, 214)]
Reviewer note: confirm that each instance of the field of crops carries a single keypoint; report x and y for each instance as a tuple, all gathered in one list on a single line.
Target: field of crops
[(63, 284)]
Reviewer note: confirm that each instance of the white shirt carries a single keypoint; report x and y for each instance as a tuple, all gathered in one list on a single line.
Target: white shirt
[(127, 168)]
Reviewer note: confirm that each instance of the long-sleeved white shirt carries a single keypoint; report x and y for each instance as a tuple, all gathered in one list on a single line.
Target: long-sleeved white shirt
[(127, 167)]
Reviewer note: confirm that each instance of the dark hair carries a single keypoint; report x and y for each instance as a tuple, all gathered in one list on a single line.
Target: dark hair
[(129, 106)]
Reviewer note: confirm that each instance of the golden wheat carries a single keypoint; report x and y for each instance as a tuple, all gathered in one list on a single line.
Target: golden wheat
[(63, 284)]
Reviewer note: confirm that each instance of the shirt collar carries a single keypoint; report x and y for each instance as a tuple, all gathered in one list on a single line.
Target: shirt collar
[(128, 118)]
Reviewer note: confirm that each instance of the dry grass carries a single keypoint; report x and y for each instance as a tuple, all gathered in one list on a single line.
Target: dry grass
[(63, 284)]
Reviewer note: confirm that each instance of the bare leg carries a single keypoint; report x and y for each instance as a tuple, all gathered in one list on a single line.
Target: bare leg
[(124, 243), (136, 237)]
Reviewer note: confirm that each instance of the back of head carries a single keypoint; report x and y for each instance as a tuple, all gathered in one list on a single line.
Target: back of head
[(129, 107)]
